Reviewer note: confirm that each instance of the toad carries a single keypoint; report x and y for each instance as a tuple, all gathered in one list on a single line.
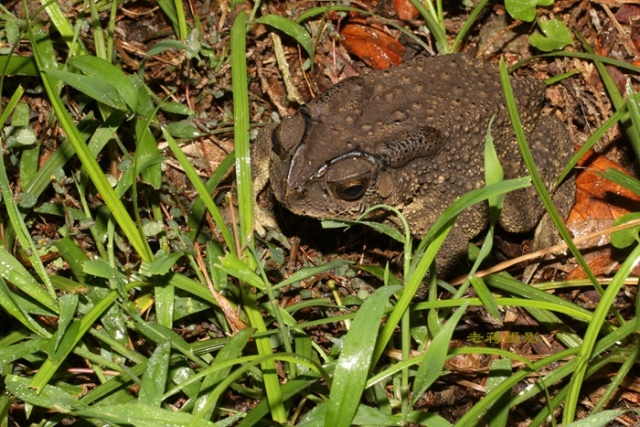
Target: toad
[(413, 137)]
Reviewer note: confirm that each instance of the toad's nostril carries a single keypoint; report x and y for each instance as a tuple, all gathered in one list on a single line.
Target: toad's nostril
[(299, 194)]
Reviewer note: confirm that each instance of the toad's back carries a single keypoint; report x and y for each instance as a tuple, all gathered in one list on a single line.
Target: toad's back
[(455, 94)]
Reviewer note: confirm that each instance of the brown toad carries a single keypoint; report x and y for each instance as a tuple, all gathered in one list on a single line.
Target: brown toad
[(413, 137)]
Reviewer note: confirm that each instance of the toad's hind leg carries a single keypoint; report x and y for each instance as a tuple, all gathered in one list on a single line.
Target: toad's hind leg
[(551, 148)]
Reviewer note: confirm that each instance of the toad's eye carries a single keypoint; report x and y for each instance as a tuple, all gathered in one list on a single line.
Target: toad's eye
[(352, 190), (349, 176)]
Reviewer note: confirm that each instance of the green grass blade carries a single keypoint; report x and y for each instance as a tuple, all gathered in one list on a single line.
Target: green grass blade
[(468, 24), (52, 397), (139, 416), (98, 34), (246, 200), (52, 364), (17, 311), (159, 334), (542, 191), (247, 363), (61, 156), (174, 11), (476, 196), (13, 272), (604, 305), (435, 356), (499, 372), (18, 66), (436, 27), (155, 376), (68, 305), (365, 416), (119, 382), (7, 262), (11, 105), (289, 390), (101, 91), (601, 419), (591, 142), (11, 353), (493, 174), (269, 376), (354, 362), (241, 126), (63, 26), (595, 326), (98, 178), (622, 179), (436, 235), (633, 130), (485, 296), (235, 267), (614, 387), (291, 28), (200, 189), (471, 417), (306, 272), (206, 403), (198, 206)]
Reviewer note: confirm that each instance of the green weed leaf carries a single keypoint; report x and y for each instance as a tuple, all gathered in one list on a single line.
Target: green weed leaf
[(161, 265), (106, 72), (556, 36), (183, 130), (625, 238), (18, 65), (525, 9), (94, 88)]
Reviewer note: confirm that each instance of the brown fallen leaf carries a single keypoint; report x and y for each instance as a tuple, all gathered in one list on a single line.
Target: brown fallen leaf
[(628, 13), (405, 10), (597, 197), (374, 46), (598, 203)]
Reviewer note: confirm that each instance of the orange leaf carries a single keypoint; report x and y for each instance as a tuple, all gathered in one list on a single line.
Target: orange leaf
[(375, 47), (405, 10), (598, 203), (597, 197)]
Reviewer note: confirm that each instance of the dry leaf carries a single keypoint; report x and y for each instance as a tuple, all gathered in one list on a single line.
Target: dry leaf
[(405, 10), (375, 47), (597, 197), (598, 203)]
